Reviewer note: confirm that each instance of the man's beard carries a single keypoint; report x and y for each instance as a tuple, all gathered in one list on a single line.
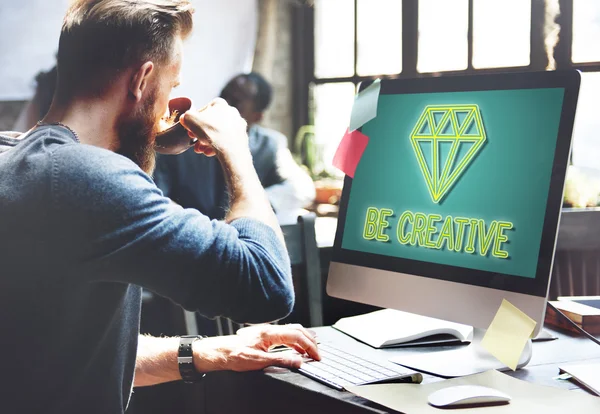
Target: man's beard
[(137, 135)]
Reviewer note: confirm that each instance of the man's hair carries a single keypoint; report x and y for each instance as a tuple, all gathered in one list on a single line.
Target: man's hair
[(264, 91), (100, 38), (254, 86)]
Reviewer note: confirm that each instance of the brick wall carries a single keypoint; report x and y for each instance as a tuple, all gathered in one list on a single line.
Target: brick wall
[(273, 59)]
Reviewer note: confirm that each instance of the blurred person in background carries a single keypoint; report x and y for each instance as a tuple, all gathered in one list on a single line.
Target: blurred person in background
[(199, 182), (38, 106)]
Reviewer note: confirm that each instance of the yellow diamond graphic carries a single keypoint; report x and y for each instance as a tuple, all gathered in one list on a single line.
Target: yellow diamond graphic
[(446, 139)]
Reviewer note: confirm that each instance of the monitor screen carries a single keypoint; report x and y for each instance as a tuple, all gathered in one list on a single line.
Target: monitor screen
[(455, 184)]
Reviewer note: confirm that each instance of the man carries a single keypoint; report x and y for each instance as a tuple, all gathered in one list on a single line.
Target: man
[(82, 227), (288, 187)]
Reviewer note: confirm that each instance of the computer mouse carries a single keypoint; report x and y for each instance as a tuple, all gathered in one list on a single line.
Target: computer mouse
[(467, 395)]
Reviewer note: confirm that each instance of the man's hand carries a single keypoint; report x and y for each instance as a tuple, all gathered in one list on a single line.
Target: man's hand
[(219, 128), (249, 349), (221, 131)]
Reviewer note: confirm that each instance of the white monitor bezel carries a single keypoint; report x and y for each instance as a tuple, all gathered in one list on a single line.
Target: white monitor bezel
[(465, 296)]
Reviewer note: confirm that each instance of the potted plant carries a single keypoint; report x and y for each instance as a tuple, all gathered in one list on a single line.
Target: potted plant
[(328, 183)]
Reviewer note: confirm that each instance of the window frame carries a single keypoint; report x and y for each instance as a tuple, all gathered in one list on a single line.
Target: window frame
[(304, 48)]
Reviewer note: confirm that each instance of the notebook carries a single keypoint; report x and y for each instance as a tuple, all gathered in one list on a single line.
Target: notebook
[(582, 312), (593, 301), (587, 375), (392, 328)]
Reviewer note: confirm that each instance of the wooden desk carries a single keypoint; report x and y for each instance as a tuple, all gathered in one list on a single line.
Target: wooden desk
[(283, 391)]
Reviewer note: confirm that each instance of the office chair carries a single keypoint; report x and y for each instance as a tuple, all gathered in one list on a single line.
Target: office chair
[(302, 246)]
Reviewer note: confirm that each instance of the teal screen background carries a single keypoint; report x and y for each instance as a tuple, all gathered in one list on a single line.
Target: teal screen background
[(508, 180)]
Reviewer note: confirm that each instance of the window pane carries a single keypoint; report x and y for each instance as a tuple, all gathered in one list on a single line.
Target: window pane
[(379, 37), (586, 31), (443, 27), (586, 134), (334, 38), (332, 105), (501, 33)]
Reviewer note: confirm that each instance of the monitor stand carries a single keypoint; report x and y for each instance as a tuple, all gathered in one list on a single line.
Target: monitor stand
[(461, 361)]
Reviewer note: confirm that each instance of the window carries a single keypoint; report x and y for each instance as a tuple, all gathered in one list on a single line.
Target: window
[(585, 55), (586, 143), (501, 33), (379, 37), (333, 104), (352, 39), (334, 38), (443, 42), (356, 40), (586, 31)]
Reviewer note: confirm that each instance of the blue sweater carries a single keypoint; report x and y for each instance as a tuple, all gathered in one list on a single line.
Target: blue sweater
[(81, 230)]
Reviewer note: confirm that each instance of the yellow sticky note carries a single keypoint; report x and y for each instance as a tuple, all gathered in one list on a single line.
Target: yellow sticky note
[(508, 333)]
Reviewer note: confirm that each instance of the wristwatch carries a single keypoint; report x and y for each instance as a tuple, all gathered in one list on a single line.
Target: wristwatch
[(185, 359)]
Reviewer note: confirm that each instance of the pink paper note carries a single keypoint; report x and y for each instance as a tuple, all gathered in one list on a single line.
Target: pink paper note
[(350, 151)]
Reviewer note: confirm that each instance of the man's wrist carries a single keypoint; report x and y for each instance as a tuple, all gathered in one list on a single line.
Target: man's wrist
[(185, 358), (209, 355), (236, 162), (240, 174)]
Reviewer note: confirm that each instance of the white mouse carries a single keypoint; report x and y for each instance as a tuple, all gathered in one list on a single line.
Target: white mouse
[(466, 394)]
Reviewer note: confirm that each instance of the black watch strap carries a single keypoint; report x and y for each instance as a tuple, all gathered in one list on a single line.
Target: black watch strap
[(185, 359)]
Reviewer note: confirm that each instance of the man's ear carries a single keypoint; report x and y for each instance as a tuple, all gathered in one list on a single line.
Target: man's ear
[(139, 80)]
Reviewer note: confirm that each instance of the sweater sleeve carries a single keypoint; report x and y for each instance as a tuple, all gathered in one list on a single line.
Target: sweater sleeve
[(120, 228)]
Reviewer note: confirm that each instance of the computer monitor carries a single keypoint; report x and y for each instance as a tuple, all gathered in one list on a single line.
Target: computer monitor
[(456, 200)]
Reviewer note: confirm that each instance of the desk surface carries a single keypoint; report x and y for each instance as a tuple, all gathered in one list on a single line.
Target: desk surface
[(281, 390)]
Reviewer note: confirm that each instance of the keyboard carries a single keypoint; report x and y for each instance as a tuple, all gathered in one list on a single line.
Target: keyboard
[(339, 369)]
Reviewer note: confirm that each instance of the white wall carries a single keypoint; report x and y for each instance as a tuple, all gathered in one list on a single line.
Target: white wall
[(221, 46), (29, 31)]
